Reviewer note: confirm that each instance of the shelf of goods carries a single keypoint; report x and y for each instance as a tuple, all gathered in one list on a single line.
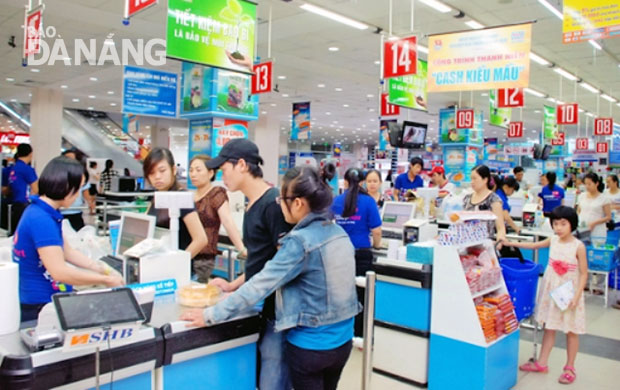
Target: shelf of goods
[(474, 331)]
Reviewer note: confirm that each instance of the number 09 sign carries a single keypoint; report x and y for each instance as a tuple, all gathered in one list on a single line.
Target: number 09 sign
[(400, 57), (262, 78)]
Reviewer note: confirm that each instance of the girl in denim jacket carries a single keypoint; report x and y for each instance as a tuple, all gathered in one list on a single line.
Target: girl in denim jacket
[(314, 275)]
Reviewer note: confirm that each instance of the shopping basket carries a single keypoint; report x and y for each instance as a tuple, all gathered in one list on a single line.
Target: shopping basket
[(521, 279)]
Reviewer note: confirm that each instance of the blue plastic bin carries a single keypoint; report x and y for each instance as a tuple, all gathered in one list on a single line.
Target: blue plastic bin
[(601, 259), (522, 283), (613, 281)]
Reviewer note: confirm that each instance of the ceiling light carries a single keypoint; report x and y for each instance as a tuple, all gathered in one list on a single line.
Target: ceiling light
[(538, 59), (565, 74), (473, 24), (552, 100), (281, 77), (64, 87), (437, 5), (272, 104), (321, 85), (371, 110), (338, 89), (93, 79), (35, 70), (75, 100), (379, 63), (581, 110), (345, 105), (534, 92), (14, 100), (591, 115), (423, 49), (110, 92), (587, 86), (328, 113), (484, 94), (91, 108), (10, 79), (595, 44), (263, 112), (608, 98), (113, 104), (537, 111), (334, 16), (92, 96), (370, 95), (285, 95), (552, 9), (333, 48)]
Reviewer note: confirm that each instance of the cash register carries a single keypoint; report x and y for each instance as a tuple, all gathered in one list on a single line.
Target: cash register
[(394, 215)]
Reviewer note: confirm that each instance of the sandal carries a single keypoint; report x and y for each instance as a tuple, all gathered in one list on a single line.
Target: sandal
[(568, 376), (533, 366)]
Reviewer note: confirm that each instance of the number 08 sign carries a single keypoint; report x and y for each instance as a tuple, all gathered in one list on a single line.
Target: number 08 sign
[(400, 57)]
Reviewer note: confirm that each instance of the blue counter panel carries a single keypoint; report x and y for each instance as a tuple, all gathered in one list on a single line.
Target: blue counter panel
[(402, 305)]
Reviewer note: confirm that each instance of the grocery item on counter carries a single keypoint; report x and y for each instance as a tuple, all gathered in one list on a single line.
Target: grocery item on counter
[(199, 295)]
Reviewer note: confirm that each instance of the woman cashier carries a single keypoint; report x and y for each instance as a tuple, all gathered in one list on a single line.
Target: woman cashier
[(39, 248)]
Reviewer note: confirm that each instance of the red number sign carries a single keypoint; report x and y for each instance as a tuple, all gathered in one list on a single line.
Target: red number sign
[(510, 97), (603, 126), (601, 147), (568, 114), (261, 79), (581, 143), (32, 32), (515, 130), (388, 109), (464, 119), (558, 141), (400, 57), (132, 7)]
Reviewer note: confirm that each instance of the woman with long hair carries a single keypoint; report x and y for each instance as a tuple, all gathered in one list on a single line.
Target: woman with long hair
[(551, 195)]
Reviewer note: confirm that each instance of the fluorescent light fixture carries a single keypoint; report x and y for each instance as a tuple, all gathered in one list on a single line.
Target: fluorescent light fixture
[(473, 24), (333, 48), (591, 115), (338, 89), (552, 100), (113, 104), (370, 95), (110, 92), (92, 96), (285, 95), (334, 16), (565, 74), (35, 70), (587, 86), (75, 100), (93, 79), (64, 87), (377, 62), (91, 108), (581, 110), (608, 98), (424, 49), (321, 85), (437, 5), (345, 105), (10, 79), (281, 77), (595, 44), (538, 59), (551, 8), (534, 92)]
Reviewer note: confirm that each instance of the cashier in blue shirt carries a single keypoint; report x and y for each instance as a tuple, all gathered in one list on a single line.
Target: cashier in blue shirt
[(409, 180), (357, 213), (39, 248), (551, 195), (22, 180), (505, 188)]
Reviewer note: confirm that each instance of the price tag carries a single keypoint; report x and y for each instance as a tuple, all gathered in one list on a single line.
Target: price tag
[(581, 143), (603, 126), (388, 109), (515, 130), (510, 97), (559, 141), (465, 119), (262, 78), (602, 147), (400, 57), (568, 114)]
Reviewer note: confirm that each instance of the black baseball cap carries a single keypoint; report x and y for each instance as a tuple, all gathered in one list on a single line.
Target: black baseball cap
[(236, 149)]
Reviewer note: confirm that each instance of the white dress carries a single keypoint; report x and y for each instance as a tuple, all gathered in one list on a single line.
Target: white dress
[(591, 209)]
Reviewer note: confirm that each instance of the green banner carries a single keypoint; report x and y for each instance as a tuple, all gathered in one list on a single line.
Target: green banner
[(410, 91), (217, 33), (498, 116), (550, 125)]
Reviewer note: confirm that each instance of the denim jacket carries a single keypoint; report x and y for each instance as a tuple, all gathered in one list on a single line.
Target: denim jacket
[(313, 273)]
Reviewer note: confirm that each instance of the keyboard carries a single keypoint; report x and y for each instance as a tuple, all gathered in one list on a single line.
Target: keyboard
[(390, 235), (115, 262)]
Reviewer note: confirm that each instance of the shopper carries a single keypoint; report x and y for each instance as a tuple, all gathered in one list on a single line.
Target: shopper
[(74, 213), (568, 264), (484, 199), (314, 273), (580, 184), (551, 195), (505, 188), (519, 172), (159, 170), (594, 207), (373, 187), (213, 209), (22, 183), (409, 180), (93, 178), (263, 226), (39, 247), (105, 181), (613, 192), (356, 212)]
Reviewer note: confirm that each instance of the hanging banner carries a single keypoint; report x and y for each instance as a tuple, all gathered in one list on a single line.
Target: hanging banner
[(337, 149), (449, 134), (10, 138), (384, 134), (592, 19), (149, 92), (491, 58), (133, 7), (602, 147), (465, 118), (399, 57), (33, 26), (603, 126), (388, 109), (300, 128), (262, 77), (550, 125), (410, 91), (498, 116), (218, 33), (515, 130), (200, 141), (510, 97), (560, 140), (568, 114), (490, 149), (131, 124)]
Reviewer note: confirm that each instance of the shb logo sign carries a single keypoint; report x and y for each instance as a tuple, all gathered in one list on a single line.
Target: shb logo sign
[(81, 339)]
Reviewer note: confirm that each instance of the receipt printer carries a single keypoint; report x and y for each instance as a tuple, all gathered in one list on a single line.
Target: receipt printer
[(419, 230)]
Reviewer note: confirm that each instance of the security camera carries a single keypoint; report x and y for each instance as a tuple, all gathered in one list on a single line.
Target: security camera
[(276, 88), (12, 42)]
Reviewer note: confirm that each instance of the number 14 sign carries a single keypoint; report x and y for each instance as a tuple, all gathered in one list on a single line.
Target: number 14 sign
[(261, 79), (400, 57)]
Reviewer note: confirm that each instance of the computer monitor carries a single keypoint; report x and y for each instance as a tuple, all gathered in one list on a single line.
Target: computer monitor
[(135, 227), (414, 135), (395, 214), (545, 152), (396, 134)]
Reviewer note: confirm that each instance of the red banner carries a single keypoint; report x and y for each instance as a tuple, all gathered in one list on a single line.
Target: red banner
[(32, 31), (10, 138)]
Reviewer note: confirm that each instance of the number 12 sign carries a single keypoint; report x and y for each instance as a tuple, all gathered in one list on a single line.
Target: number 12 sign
[(568, 114), (261, 79), (400, 57), (510, 97)]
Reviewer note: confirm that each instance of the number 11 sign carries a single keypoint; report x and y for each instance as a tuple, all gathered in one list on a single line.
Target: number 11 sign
[(261, 79), (400, 57)]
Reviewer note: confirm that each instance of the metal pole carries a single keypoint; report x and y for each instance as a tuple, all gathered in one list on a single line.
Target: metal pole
[(97, 367), (231, 266), (369, 325), (10, 218)]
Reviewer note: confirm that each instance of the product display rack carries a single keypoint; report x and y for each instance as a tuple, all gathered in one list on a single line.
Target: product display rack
[(458, 344)]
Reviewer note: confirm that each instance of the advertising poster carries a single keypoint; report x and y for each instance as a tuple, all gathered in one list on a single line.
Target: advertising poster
[(614, 151), (337, 149), (218, 33), (454, 163), (200, 142), (149, 92), (282, 165), (592, 19), (384, 134), (300, 128), (471, 160), (498, 116), (449, 134), (550, 125), (226, 129), (410, 91), (131, 124), (491, 58), (490, 148), (195, 87), (234, 94)]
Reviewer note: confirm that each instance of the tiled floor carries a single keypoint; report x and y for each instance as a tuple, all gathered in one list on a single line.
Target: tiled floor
[(593, 371)]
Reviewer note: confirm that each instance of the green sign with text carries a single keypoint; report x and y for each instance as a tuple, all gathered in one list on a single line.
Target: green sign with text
[(409, 91)]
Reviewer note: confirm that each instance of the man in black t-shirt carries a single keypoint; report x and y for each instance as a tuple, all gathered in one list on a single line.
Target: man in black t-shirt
[(263, 225)]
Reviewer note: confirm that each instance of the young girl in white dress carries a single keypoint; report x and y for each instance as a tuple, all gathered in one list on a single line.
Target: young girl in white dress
[(567, 263)]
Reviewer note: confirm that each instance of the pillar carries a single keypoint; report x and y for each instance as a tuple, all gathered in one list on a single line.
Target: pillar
[(46, 131), (267, 138)]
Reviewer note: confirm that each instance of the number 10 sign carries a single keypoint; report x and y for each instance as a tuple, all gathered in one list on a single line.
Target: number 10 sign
[(400, 57)]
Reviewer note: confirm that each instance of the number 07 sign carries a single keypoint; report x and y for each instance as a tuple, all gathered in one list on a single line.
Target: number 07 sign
[(400, 57)]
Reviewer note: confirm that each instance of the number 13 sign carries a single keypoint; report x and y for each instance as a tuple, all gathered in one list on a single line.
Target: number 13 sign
[(400, 57), (261, 79)]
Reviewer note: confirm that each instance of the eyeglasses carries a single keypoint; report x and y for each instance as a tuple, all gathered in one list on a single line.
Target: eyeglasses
[(279, 199)]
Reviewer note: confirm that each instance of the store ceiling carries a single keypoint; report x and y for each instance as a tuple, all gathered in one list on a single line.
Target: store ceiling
[(300, 42)]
